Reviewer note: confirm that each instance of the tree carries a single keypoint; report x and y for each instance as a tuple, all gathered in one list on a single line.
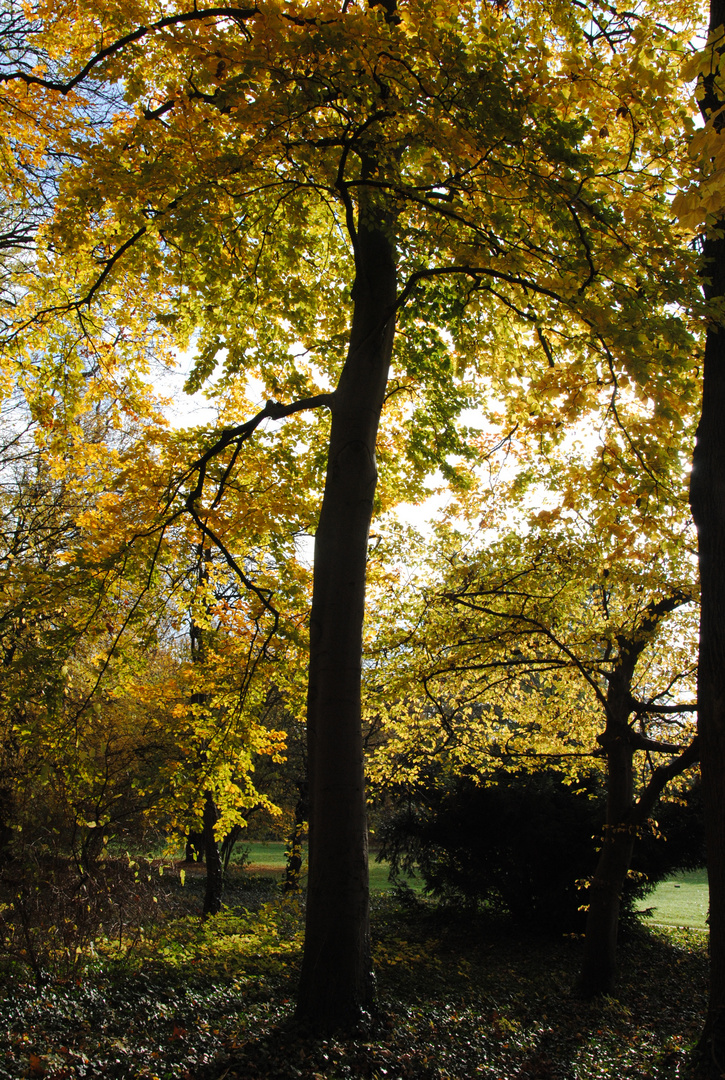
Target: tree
[(68, 742), (101, 735), (447, 150), (562, 635), (703, 206)]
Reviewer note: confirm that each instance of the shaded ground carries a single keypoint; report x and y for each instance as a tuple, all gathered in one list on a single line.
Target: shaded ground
[(458, 998)]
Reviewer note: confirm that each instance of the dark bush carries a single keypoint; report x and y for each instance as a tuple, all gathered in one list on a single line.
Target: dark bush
[(522, 844)]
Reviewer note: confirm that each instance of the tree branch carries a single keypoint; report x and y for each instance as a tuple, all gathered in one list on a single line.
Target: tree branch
[(263, 595), (273, 410), (660, 779), (662, 710), (635, 739), (238, 14), (475, 272)]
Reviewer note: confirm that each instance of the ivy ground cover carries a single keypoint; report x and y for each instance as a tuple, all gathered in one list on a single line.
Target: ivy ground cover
[(458, 997)]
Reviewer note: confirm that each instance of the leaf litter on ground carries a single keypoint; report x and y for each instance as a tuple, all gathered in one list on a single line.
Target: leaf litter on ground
[(458, 997)]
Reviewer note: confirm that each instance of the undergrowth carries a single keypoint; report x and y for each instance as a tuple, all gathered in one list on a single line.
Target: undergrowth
[(456, 999)]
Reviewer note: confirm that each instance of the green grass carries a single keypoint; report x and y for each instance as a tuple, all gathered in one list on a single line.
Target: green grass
[(682, 900), (266, 855), (269, 858)]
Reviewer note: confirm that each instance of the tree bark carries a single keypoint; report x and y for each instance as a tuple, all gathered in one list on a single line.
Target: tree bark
[(624, 815), (605, 890), (214, 870), (194, 847), (227, 845), (293, 870), (336, 983), (707, 496), (707, 499), (207, 843)]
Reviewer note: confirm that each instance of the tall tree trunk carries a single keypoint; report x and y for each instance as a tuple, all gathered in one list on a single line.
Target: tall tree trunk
[(227, 845), (708, 508), (605, 890), (624, 815), (336, 982), (214, 870), (207, 842), (707, 498)]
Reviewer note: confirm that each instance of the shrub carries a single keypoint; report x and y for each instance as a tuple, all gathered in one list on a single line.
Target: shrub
[(54, 913), (522, 844)]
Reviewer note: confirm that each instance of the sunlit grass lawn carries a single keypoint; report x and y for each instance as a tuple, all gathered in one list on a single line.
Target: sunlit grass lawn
[(269, 858), (682, 900), (266, 856)]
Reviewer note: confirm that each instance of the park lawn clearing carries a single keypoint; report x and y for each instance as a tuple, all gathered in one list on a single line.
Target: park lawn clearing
[(268, 858), (681, 900)]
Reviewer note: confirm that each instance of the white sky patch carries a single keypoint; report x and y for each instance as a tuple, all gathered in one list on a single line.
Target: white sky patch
[(185, 410), (305, 549), (421, 514)]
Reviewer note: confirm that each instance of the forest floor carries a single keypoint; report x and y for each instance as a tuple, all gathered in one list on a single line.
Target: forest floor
[(458, 998)]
